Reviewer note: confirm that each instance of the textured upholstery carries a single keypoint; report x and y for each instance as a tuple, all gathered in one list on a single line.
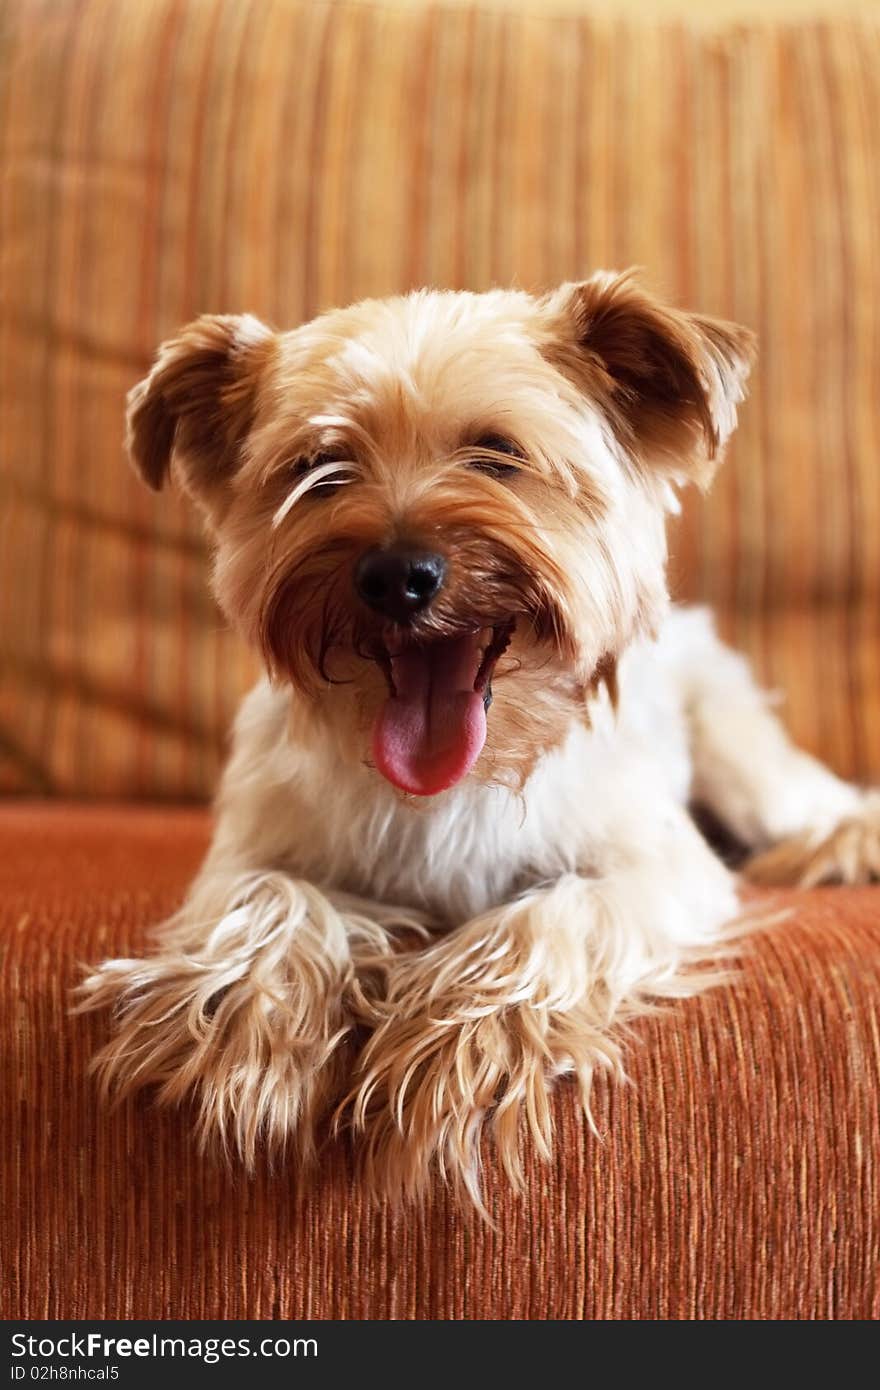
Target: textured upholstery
[(739, 1176), (165, 157)]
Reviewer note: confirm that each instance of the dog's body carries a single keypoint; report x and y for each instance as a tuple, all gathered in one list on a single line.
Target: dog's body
[(422, 508), (687, 724)]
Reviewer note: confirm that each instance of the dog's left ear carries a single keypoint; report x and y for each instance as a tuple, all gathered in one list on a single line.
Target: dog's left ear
[(668, 381), (197, 404)]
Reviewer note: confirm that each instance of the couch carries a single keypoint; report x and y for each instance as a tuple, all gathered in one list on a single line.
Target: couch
[(163, 157)]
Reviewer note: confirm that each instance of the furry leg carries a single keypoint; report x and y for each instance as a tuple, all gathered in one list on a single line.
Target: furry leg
[(804, 825), (478, 1024), (847, 853), (244, 1004)]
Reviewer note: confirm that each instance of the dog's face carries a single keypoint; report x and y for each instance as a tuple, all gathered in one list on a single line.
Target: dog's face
[(442, 516)]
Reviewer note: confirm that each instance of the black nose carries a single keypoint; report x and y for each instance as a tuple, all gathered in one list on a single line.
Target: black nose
[(399, 582)]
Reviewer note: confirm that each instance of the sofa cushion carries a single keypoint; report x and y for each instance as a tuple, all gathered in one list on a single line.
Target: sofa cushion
[(738, 1176), (160, 158)]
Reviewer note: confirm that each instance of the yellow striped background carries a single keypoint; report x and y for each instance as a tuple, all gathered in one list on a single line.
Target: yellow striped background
[(160, 158)]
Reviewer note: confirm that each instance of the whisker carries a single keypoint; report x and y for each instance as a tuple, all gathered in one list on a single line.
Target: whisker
[(332, 474)]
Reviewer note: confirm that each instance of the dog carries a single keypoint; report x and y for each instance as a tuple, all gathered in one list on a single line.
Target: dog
[(453, 848)]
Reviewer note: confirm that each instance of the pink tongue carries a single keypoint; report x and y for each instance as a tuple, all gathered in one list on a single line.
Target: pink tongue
[(430, 733)]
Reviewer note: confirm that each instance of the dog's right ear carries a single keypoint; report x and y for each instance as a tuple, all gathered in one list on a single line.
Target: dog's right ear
[(668, 381), (198, 402)]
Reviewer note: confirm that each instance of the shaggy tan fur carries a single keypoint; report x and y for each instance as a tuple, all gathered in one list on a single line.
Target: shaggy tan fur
[(479, 1024), (245, 1006), (424, 966), (850, 853)]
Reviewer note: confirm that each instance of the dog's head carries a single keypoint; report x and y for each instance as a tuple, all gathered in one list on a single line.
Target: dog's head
[(428, 505)]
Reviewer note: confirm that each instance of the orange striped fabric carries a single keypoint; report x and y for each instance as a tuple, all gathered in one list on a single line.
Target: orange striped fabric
[(160, 158), (737, 1177)]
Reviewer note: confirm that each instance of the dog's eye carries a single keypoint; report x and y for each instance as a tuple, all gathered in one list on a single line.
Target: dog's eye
[(330, 464), (311, 477), (496, 455)]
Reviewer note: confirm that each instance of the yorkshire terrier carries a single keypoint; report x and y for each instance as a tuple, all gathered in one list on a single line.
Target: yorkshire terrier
[(453, 848)]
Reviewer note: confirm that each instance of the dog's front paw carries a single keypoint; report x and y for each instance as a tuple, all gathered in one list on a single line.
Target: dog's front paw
[(469, 1034), (850, 853), (249, 1020)]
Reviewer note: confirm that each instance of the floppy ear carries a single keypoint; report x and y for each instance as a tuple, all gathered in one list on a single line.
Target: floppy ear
[(198, 402), (668, 381)]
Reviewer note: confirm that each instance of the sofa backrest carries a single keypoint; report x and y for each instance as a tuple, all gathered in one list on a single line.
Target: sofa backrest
[(161, 158)]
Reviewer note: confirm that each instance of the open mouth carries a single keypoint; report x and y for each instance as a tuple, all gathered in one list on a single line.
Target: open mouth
[(432, 727)]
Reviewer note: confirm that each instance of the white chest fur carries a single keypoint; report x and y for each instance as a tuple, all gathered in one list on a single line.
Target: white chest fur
[(301, 806)]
